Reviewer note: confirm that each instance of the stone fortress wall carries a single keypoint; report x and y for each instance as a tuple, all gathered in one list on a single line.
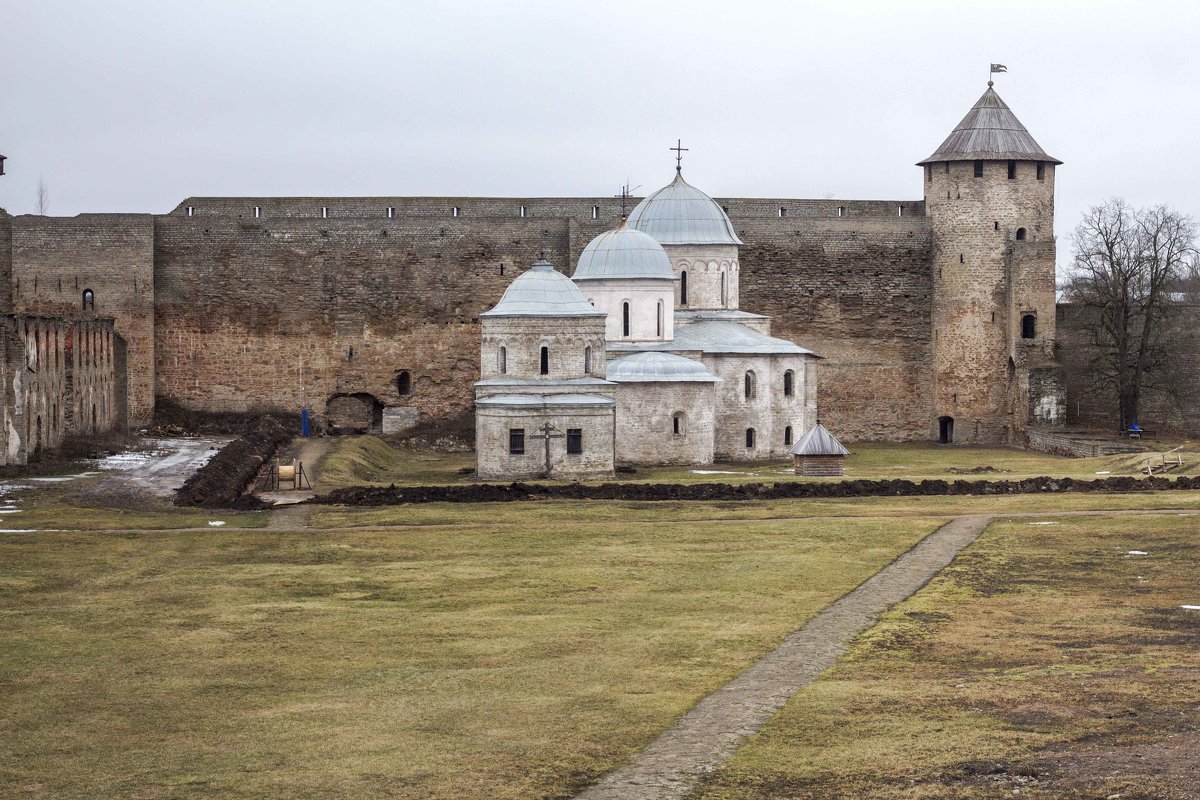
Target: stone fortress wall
[(315, 298)]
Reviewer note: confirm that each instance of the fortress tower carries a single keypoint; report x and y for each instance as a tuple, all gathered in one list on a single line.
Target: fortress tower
[(989, 196)]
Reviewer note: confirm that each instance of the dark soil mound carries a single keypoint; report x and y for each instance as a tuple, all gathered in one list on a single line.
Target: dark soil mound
[(490, 493), (223, 481)]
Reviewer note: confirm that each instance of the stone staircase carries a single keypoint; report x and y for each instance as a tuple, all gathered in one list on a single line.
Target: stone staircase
[(1082, 443)]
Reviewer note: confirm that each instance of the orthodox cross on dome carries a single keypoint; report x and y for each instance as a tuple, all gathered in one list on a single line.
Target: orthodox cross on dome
[(679, 151), (547, 432), (625, 195)]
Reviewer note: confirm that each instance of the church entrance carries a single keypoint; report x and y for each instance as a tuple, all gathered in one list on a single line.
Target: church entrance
[(945, 430)]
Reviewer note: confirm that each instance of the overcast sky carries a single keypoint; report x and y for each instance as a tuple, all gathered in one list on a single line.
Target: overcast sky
[(133, 106)]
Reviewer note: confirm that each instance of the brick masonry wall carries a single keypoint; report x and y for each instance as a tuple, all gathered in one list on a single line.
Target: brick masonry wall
[(494, 462), (55, 259)]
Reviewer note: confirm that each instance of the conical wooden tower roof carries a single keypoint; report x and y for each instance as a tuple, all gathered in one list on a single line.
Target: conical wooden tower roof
[(990, 131)]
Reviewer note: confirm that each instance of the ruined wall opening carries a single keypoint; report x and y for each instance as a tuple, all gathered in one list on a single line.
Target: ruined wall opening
[(1021, 234), (354, 413), (1029, 326), (945, 430), (404, 382), (89, 300), (750, 438)]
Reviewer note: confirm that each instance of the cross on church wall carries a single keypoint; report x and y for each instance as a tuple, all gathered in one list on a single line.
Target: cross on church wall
[(547, 432)]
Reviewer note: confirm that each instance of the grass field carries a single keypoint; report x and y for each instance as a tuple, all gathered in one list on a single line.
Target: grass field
[(1047, 661), (516, 658), (369, 460)]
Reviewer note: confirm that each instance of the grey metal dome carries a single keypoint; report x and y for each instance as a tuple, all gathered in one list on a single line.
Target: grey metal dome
[(543, 291), (623, 253), (989, 132), (658, 367), (679, 213)]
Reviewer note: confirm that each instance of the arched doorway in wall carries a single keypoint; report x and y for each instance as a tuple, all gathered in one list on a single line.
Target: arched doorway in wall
[(354, 413), (945, 430)]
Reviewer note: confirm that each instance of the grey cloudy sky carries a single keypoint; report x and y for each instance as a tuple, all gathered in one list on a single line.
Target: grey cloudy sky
[(133, 106)]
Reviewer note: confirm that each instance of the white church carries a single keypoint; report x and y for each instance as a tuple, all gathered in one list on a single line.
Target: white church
[(641, 357)]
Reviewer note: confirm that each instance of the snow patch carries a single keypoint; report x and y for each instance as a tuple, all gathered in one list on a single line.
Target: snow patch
[(216, 523), (1137, 553), (1041, 523), (717, 472), (1191, 608)]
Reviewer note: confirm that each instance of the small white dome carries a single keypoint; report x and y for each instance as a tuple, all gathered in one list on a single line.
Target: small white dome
[(655, 367), (543, 291), (621, 254), (679, 213)]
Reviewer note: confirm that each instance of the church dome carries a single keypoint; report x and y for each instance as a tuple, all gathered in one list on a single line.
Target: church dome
[(679, 213), (656, 367), (543, 291), (623, 253)]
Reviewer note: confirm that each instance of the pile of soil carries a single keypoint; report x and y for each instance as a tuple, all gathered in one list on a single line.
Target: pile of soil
[(224, 481), (172, 419), (974, 470), (499, 493)]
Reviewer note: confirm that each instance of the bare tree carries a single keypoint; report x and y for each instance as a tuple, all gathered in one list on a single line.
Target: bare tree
[(1132, 268), (43, 198)]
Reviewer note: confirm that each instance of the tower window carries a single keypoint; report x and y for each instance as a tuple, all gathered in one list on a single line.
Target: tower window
[(1021, 233), (502, 360), (962, 259), (789, 383), (683, 288), (1041, 170), (929, 173), (750, 438), (841, 211), (257, 212), (677, 423), (89, 300), (782, 211), (658, 328), (899, 211), (522, 211), (946, 164), (722, 287), (190, 210), (404, 382), (996, 225), (787, 435), (1012, 169), (516, 441), (587, 360), (595, 212), (391, 212), (545, 358), (574, 441), (748, 384), (1028, 326), (501, 269), (624, 319), (324, 212), (978, 168), (454, 211)]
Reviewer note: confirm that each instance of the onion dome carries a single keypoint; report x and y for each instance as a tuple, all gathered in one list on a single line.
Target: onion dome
[(989, 132), (655, 367), (543, 291), (818, 442), (679, 213), (621, 254)]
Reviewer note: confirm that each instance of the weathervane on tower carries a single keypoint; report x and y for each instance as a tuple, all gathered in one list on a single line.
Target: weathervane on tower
[(995, 68), (679, 151)]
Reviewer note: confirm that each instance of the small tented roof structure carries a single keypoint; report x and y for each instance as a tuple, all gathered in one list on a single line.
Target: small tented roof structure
[(679, 213), (818, 442), (543, 291), (990, 132), (621, 254)]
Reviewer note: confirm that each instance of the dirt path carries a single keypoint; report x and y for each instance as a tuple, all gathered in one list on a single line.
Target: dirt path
[(311, 452), (710, 733), (159, 472)]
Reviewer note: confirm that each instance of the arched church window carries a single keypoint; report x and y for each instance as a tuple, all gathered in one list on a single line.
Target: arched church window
[(749, 384), (722, 287), (683, 288), (587, 360), (624, 319), (1028, 326), (787, 435), (789, 383), (750, 438), (404, 382), (545, 366), (677, 423), (1021, 234), (89, 300), (658, 329), (502, 360)]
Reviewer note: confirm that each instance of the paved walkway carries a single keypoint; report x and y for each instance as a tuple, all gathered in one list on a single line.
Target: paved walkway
[(710, 733)]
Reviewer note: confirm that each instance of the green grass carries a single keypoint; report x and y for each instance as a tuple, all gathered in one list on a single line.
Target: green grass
[(516, 657), (1047, 650), (365, 460)]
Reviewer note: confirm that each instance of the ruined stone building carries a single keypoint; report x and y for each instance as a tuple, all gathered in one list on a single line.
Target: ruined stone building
[(934, 316)]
